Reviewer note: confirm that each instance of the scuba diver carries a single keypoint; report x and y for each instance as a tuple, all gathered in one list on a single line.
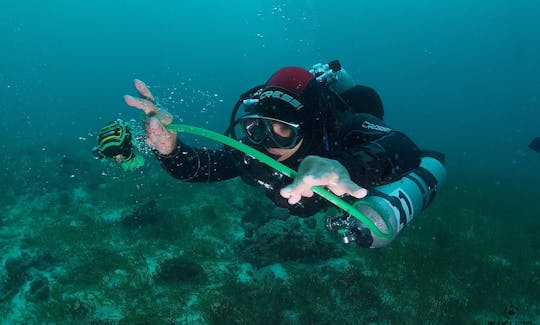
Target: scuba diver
[(535, 144), (317, 122)]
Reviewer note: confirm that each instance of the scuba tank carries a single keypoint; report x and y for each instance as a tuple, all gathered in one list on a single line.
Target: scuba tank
[(393, 205)]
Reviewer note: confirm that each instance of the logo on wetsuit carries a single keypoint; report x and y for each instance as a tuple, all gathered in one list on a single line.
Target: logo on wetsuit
[(371, 126), (283, 96)]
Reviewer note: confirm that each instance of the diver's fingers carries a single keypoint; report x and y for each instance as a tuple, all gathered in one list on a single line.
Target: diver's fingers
[(143, 90), (347, 187), (294, 198), (143, 104), (296, 188), (299, 189)]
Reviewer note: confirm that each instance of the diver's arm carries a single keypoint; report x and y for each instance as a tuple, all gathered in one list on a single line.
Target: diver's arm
[(191, 164), (179, 159), (374, 154)]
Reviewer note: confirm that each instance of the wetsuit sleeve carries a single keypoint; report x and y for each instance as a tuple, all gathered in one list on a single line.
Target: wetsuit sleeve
[(191, 164), (372, 153)]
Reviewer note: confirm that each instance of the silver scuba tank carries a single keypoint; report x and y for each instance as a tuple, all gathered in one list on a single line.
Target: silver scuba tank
[(392, 205)]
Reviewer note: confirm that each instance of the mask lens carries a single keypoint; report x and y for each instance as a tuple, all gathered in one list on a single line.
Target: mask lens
[(276, 133), (255, 129), (284, 135)]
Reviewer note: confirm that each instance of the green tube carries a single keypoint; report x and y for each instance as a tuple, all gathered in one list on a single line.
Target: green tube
[(287, 172)]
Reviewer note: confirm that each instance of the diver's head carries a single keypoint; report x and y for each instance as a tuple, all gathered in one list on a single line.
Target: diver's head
[(285, 113)]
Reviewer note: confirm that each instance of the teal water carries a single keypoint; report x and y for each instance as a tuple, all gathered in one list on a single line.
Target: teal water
[(83, 242)]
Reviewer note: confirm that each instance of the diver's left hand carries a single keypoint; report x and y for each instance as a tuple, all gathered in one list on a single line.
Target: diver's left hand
[(315, 170)]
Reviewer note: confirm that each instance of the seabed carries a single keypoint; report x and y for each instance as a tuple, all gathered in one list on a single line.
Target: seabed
[(85, 243)]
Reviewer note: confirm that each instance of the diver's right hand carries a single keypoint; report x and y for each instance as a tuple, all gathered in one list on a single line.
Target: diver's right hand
[(157, 136)]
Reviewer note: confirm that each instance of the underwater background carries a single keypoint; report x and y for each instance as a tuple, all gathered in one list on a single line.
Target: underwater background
[(83, 242)]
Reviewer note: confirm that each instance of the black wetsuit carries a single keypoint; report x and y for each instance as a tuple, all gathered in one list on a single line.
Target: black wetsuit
[(372, 153)]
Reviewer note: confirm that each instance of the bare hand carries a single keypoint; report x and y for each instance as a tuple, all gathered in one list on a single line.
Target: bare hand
[(315, 170), (157, 136)]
